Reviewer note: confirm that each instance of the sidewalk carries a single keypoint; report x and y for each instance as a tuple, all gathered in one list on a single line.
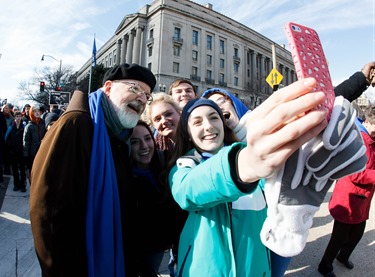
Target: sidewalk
[(17, 255), (363, 257)]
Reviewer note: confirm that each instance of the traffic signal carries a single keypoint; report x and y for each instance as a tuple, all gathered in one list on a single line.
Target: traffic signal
[(42, 84), (58, 88)]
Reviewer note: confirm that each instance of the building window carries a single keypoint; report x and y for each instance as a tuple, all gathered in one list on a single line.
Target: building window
[(151, 33), (209, 75), (176, 68), (222, 46), (149, 66), (236, 81), (236, 52), (195, 37), (235, 67), (221, 78), (194, 71), (222, 63), (177, 33), (209, 60), (209, 42), (195, 55), (150, 51), (176, 50)]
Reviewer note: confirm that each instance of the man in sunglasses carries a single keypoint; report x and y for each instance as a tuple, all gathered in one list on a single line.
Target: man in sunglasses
[(80, 179)]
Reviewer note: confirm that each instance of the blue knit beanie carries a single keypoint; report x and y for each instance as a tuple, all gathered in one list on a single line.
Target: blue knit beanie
[(240, 107), (195, 103)]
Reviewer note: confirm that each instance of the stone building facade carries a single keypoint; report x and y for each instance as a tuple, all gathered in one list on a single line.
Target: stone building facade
[(183, 39)]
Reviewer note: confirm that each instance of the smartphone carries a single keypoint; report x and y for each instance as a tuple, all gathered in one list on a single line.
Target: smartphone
[(309, 59)]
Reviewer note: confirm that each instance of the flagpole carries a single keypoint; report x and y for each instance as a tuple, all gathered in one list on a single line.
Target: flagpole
[(93, 61), (89, 90)]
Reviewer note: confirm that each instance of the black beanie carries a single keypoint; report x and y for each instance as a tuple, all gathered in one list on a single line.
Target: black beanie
[(133, 71), (50, 117)]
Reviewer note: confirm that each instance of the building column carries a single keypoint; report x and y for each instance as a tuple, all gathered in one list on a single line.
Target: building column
[(253, 69), (282, 72), (268, 70), (137, 45), (118, 54), (129, 54), (261, 73), (124, 48), (287, 77), (293, 76)]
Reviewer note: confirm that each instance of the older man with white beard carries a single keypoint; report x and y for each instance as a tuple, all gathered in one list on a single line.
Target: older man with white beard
[(80, 178)]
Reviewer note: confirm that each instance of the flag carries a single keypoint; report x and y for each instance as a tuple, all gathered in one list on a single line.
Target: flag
[(94, 52)]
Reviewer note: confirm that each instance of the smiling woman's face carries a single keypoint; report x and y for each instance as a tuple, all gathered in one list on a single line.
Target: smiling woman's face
[(164, 118), (228, 109), (206, 129), (142, 146)]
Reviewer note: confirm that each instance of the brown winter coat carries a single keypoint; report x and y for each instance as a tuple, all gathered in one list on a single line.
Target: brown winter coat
[(58, 192), (59, 185)]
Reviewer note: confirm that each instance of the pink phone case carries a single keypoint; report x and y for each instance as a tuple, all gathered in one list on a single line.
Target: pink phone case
[(309, 60)]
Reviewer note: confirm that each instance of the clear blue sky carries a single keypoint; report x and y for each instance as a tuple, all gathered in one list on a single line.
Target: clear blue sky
[(65, 30)]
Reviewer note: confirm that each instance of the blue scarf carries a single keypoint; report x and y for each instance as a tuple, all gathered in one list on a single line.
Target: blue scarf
[(147, 173), (104, 245)]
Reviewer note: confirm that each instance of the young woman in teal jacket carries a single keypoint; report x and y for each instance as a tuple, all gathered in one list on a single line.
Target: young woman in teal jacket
[(210, 175)]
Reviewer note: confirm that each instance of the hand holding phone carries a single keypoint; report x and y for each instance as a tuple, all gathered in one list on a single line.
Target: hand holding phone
[(309, 59)]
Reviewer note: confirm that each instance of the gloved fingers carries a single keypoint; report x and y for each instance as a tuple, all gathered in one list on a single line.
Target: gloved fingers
[(342, 118), (343, 160), (355, 167), (320, 156), (321, 187), (293, 170), (295, 165), (307, 175)]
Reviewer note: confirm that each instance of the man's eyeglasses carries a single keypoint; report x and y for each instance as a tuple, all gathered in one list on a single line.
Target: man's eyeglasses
[(222, 100), (135, 88)]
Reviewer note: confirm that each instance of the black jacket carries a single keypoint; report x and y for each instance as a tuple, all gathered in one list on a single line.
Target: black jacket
[(353, 87)]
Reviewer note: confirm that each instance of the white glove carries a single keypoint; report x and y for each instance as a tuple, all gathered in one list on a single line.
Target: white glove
[(342, 119), (295, 193), (348, 158), (285, 229)]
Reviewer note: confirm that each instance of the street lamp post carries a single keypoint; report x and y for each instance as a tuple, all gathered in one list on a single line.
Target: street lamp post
[(60, 72)]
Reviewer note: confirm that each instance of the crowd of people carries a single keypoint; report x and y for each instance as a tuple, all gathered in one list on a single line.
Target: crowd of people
[(21, 134), (122, 162)]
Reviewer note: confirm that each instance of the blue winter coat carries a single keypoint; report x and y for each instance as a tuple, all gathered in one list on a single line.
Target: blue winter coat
[(219, 238)]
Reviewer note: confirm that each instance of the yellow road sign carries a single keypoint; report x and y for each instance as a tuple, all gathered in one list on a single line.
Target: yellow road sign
[(274, 78)]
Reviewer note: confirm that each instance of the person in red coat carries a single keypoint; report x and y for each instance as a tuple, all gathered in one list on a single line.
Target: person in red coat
[(350, 204)]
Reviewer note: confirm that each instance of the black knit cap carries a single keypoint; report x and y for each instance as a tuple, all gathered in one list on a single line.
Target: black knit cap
[(133, 71), (50, 117)]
